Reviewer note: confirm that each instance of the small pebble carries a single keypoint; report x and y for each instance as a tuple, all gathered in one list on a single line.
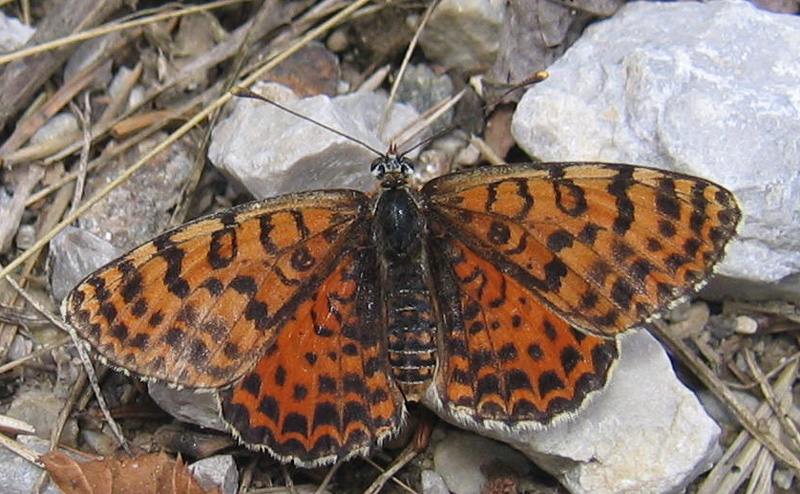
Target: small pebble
[(783, 478), (745, 325), (26, 236), (60, 125), (337, 42), (217, 471)]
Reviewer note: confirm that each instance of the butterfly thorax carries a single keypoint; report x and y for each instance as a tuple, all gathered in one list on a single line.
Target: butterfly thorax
[(406, 296)]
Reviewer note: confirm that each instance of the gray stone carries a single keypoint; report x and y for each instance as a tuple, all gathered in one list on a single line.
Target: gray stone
[(432, 483), (217, 471), (61, 125), (462, 35), (422, 88), (74, 253), (694, 87), (272, 152), (460, 457), (17, 475), (140, 208), (625, 439), (41, 410), (189, 405)]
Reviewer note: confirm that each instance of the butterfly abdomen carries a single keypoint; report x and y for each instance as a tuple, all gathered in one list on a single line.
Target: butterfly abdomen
[(408, 306), (411, 328)]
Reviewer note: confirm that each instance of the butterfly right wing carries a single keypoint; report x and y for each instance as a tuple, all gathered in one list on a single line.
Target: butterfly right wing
[(199, 306), (534, 264)]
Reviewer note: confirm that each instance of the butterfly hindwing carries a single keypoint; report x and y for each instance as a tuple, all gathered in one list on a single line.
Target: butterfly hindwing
[(505, 359), (199, 305), (322, 391)]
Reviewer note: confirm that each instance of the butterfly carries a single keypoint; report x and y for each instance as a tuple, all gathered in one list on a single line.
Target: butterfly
[(490, 295)]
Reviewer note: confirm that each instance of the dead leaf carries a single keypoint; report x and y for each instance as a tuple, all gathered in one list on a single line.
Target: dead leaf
[(122, 474)]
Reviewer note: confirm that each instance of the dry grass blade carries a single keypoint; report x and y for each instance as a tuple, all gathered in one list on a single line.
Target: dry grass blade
[(404, 65), (110, 28), (739, 460), (778, 408), (22, 79), (387, 475), (64, 95), (10, 425), (20, 449), (33, 355), (426, 120), (721, 391), (81, 351)]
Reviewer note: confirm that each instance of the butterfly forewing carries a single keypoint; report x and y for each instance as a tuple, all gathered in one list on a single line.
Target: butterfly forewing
[(322, 391), (198, 306), (604, 246)]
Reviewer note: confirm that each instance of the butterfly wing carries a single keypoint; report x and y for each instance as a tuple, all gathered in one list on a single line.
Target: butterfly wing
[(322, 391), (535, 263), (198, 306)]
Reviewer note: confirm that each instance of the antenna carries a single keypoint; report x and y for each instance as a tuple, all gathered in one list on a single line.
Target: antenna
[(241, 91), (528, 81), (436, 113)]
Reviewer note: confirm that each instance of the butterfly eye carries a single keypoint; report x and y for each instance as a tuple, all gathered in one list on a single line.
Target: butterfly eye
[(406, 167), (378, 167)]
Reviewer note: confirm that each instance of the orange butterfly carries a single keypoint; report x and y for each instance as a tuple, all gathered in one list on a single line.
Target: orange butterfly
[(489, 295)]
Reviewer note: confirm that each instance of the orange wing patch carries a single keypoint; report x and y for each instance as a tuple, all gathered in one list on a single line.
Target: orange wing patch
[(322, 392), (506, 360), (199, 305)]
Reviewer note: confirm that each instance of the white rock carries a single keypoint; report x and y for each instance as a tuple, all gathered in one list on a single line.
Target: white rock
[(690, 321), (464, 34), (119, 81), (13, 33), (624, 439), (217, 471), (460, 457), (694, 87), (272, 152), (624, 442)]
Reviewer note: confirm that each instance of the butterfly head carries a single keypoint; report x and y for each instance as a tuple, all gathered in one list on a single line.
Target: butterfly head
[(392, 170)]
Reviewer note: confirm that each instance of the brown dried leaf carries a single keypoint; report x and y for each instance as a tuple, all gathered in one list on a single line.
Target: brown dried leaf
[(122, 474)]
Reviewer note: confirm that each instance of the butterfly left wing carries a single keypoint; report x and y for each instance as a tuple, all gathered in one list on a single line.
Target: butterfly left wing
[(199, 305), (322, 392)]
